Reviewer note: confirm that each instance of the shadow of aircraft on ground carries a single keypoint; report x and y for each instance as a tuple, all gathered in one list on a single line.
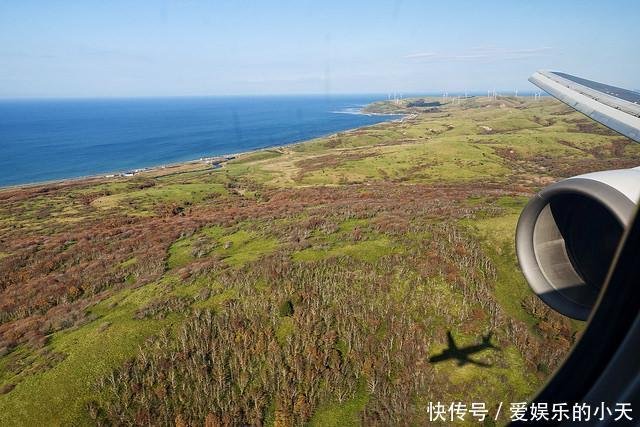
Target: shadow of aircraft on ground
[(461, 354)]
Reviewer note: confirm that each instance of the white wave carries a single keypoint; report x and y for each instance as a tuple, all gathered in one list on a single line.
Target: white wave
[(351, 110)]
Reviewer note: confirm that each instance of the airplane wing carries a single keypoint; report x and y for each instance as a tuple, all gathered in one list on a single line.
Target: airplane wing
[(477, 363), (614, 107), (450, 342)]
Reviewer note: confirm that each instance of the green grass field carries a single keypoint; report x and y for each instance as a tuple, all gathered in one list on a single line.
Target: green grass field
[(418, 215)]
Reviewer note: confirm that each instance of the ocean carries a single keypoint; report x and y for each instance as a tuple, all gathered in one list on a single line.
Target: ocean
[(42, 140)]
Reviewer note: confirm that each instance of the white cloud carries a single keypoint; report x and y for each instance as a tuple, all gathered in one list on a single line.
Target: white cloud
[(421, 55), (480, 54)]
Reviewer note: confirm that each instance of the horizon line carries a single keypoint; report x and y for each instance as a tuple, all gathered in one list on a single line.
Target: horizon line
[(511, 92)]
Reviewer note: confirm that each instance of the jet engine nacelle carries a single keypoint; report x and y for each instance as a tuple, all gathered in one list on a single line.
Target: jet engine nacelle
[(568, 234)]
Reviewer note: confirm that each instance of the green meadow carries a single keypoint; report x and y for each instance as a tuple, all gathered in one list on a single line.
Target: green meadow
[(369, 245)]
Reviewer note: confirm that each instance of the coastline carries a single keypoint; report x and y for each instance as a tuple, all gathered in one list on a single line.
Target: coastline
[(220, 159)]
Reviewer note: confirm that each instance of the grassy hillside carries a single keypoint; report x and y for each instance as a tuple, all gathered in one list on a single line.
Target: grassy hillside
[(304, 284)]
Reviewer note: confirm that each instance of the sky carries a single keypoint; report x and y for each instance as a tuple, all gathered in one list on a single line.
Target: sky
[(96, 48)]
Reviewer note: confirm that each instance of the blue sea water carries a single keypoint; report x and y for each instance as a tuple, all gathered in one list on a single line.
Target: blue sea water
[(43, 140)]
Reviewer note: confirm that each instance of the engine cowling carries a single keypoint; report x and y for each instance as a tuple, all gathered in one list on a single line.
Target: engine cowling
[(567, 236)]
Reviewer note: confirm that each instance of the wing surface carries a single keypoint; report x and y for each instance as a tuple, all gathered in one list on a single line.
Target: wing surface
[(614, 107)]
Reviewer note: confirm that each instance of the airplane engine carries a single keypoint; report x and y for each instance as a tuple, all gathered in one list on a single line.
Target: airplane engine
[(567, 236)]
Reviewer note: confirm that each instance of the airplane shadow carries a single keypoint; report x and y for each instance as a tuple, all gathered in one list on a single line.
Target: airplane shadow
[(461, 354)]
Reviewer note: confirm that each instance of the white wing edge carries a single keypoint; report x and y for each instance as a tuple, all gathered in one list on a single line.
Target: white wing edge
[(588, 102)]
